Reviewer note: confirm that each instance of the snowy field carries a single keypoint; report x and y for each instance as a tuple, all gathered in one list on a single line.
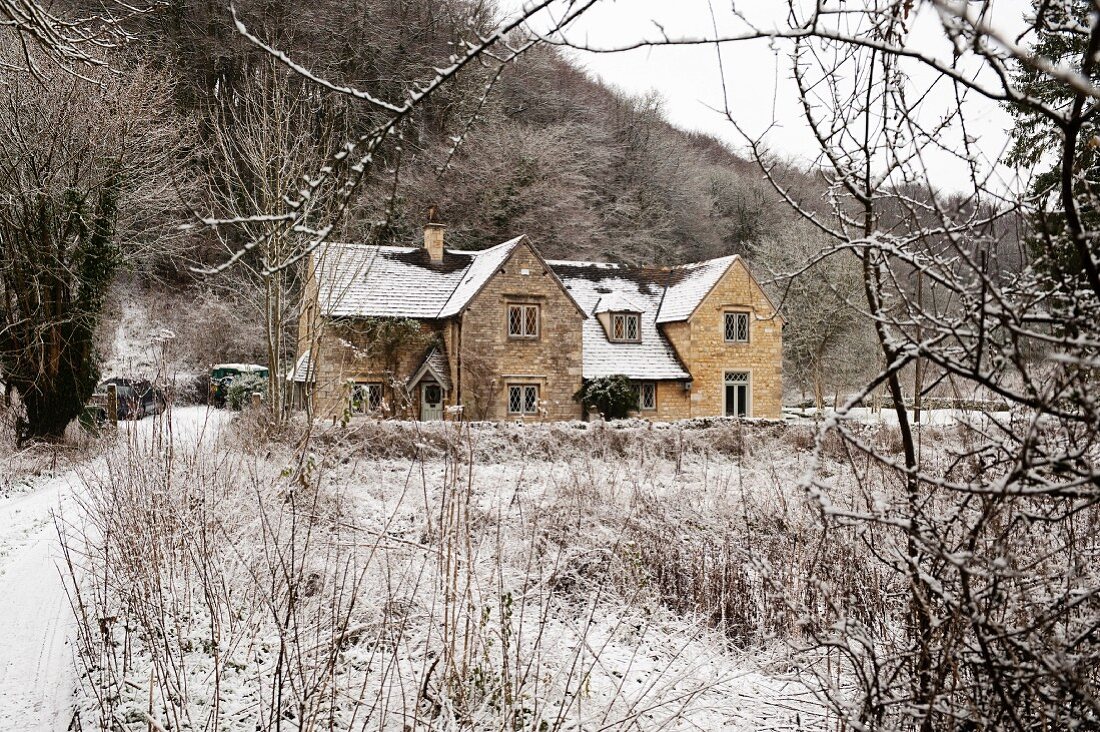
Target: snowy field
[(427, 577), (406, 577)]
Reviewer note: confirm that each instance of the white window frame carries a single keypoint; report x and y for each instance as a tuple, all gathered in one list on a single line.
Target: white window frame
[(726, 381), (527, 406), (737, 315), (524, 331), (626, 319), (371, 392), (644, 386)]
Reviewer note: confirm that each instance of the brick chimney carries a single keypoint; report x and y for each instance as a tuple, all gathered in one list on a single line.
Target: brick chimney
[(433, 236)]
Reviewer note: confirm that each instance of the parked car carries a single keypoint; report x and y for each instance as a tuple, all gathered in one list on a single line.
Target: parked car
[(136, 399), (223, 374)]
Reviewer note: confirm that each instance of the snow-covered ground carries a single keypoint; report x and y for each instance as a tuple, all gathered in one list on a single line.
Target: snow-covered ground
[(439, 578), (37, 672), (37, 659), (928, 417)]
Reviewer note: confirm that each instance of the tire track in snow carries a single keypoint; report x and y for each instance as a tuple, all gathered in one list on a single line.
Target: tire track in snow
[(37, 665)]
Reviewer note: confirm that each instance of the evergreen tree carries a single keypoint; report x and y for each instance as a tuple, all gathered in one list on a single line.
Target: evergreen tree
[(1065, 216)]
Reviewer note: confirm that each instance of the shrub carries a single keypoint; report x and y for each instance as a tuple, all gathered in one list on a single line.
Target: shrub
[(612, 396), (240, 392), (192, 390)]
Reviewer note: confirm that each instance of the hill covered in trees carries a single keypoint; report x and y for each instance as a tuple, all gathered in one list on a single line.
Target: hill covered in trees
[(549, 151)]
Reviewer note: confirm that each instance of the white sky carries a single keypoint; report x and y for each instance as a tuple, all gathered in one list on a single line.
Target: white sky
[(758, 78)]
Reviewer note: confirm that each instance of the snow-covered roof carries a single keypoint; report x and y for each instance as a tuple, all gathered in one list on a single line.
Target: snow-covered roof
[(302, 372), (358, 280), (402, 282), (651, 359), (435, 363), (242, 367), (688, 284), (484, 263)]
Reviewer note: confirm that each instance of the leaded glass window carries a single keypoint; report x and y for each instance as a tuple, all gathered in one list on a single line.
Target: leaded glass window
[(523, 399), (523, 321), (626, 327), (737, 327), (366, 397)]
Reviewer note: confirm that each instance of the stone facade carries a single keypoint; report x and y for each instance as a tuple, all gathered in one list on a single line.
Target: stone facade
[(485, 367), (345, 356), (700, 343), (673, 402), (490, 360)]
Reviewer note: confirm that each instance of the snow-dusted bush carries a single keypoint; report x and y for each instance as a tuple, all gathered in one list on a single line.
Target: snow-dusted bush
[(242, 390), (612, 396)]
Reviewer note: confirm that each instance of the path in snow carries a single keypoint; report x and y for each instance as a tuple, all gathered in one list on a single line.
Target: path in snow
[(37, 665)]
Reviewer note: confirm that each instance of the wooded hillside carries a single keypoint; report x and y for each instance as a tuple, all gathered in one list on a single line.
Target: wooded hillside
[(583, 170)]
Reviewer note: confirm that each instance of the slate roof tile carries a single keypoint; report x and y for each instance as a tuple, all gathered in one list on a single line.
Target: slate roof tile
[(401, 282), (651, 359)]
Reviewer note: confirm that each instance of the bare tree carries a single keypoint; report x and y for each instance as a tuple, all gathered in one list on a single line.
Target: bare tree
[(42, 35), (997, 627), (268, 138), (347, 170), (829, 333)]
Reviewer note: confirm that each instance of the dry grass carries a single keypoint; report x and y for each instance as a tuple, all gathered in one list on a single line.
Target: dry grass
[(21, 466), (442, 577)]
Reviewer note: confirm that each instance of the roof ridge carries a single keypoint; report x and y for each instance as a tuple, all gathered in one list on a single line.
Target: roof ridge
[(627, 266), (365, 245), (703, 262)]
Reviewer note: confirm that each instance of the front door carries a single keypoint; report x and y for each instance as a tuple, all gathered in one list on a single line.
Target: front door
[(431, 401)]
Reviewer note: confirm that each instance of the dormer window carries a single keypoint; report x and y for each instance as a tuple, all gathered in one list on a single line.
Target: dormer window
[(626, 328)]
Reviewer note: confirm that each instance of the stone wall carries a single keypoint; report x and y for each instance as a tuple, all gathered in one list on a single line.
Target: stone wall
[(673, 402), (490, 360), (344, 355)]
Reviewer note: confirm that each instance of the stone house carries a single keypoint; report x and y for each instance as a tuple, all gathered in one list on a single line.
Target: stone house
[(503, 334)]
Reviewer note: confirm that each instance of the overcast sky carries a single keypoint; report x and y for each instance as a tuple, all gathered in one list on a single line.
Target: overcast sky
[(758, 78)]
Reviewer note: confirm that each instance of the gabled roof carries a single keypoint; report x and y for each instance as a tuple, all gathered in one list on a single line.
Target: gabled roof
[(689, 285), (435, 363), (651, 359), (362, 280), (401, 282), (617, 302), (660, 294), (357, 280), (482, 267)]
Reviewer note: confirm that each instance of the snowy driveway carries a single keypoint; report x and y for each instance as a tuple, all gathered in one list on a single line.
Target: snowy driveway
[(37, 663)]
